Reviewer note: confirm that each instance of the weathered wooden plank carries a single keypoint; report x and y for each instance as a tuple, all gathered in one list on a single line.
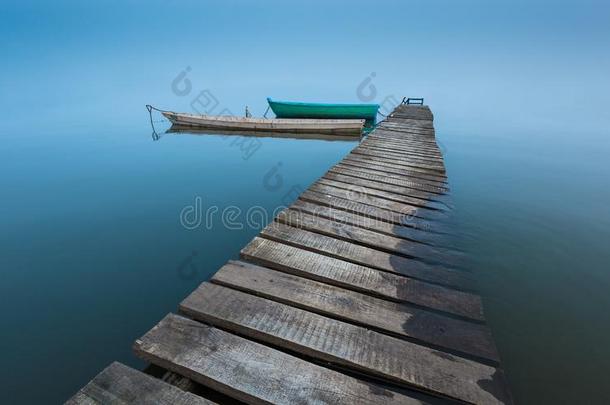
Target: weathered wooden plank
[(404, 135), (410, 115), (423, 196), (119, 384), (405, 139), (365, 256), (400, 181), (404, 155), (411, 123), (405, 122), (425, 327), (394, 173), (424, 134), (421, 113), (404, 145), (408, 164), (397, 130), (417, 132), (417, 121), (400, 169), (402, 150), (363, 279), (417, 111), (430, 168), (370, 222), (400, 175), (393, 167), (356, 186), (414, 108), (357, 195), (401, 116), (396, 116), (252, 372), (395, 126), (417, 108), (346, 204), (412, 170), (347, 345), (350, 233), (373, 146), (400, 141), (406, 149)]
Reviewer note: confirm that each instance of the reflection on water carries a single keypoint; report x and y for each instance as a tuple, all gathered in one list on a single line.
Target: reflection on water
[(179, 129)]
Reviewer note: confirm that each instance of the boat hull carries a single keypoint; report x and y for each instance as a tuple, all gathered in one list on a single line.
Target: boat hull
[(332, 126), (290, 109)]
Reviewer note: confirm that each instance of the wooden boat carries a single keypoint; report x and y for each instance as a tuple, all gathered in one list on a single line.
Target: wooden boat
[(320, 126), (292, 109)]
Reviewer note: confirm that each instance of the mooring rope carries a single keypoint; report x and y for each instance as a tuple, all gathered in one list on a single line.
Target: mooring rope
[(150, 108)]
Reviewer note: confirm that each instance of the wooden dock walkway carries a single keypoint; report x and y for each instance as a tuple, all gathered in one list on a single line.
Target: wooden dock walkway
[(350, 296)]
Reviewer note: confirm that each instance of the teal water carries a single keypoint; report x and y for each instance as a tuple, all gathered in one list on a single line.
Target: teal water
[(92, 249), (533, 215)]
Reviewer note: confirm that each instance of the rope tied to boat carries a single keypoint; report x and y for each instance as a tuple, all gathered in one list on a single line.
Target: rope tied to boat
[(150, 109)]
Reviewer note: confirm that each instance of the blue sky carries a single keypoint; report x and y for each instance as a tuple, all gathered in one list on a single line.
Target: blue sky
[(513, 65)]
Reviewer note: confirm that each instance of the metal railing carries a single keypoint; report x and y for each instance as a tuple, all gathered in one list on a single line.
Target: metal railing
[(416, 101)]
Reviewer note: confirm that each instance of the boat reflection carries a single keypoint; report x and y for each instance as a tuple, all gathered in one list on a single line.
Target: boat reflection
[(181, 129)]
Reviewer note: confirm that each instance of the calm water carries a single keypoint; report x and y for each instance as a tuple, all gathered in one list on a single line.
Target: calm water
[(535, 219), (92, 249)]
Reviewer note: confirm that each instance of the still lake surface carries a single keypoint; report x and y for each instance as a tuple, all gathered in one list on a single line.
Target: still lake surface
[(94, 252), (93, 246)]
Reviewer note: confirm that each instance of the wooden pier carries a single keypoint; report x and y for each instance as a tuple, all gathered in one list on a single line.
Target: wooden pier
[(350, 296)]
